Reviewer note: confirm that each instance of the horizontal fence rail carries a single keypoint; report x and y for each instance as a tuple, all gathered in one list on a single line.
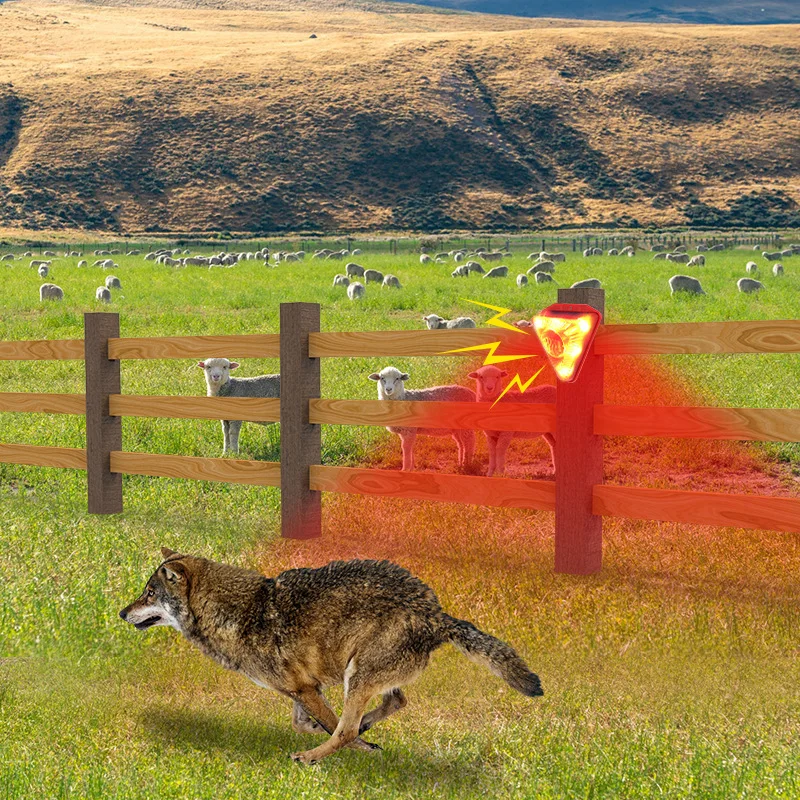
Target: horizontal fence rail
[(44, 350), (249, 409), (699, 422), (258, 473), (36, 456), (251, 346), (43, 403), (528, 417)]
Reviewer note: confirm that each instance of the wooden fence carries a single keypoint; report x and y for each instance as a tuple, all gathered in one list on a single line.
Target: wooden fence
[(579, 420)]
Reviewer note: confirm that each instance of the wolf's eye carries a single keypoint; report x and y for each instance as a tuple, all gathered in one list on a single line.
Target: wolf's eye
[(150, 593)]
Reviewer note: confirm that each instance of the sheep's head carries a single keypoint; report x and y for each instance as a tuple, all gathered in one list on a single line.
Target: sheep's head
[(390, 383), (433, 321), (217, 371), (490, 382)]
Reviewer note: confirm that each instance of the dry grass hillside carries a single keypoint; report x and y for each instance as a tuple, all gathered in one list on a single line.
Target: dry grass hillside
[(227, 116)]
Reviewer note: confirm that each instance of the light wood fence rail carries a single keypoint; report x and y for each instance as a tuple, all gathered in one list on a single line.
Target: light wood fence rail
[(585, 499)]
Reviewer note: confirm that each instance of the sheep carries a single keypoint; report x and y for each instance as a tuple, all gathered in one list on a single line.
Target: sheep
[(716, 248), (773, 256), (83, 263), (613, 252), (113, 282), (442, 256), (148, 257), (459, 256), (103, 294), (49, 291), (658, 248), (391, 386), (49, 254), (474, 266), (435, 322), (787, 253), (702, 248), (488, 385), (748, 285), (678, 258), (532, 256), (696, 261), (496, 256), (684, 283), (341, 280), (681, 248), (589, 283), (335, 256), (195, 261), (589, 251), (354, 270), (356, 290), (777, 269), (522, 280), (219, 383), (660, 257), (391, 281), (597, 251), (629, 250), (7, 257), (43, 271), (356, 252), (27, 254), (542, 266), (543, 277), (497, 272), (37, 263), (751, 268), (461, 271), (557, 258), (109, 263), (373, 275), (425, 259)]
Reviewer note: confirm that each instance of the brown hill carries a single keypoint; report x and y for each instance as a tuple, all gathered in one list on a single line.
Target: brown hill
[(197, 119)]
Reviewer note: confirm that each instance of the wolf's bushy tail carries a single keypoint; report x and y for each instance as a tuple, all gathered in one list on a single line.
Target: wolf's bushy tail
[(498, 657)]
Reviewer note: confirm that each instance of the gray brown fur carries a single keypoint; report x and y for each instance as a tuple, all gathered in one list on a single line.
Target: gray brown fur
[(370, 625)]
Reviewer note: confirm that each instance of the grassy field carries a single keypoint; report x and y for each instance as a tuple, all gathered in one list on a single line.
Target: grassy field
[(672, 673)]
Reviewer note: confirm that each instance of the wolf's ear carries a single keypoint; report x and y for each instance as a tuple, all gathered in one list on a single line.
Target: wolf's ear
[(174, 573), (166, 552)]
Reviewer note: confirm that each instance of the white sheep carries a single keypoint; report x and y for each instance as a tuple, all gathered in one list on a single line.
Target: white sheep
[(684, 283), (354, 270), (488, 386), (589, 251), (543, 277), (696, 261), (496, 256), (391, 281), (777, 256), (341, 280), (497, 272), (751, 268), (678, 258), (558, 257), (613, 252), (356, 290), (103, 294), (660, 257), (83, 263), (425, 259), (588, 283), (461, 271), (748, 285), (474, 266), (435, 322), (391, 386), (542, 266), (522, 280), (219, 383), (43, 271), (113, 282), (49, 291), (777, 269), (373, 275)]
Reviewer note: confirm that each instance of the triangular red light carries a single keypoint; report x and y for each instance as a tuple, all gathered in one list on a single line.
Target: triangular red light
[(566, 330)]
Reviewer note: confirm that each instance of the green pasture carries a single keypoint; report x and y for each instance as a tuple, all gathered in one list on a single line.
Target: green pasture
[(673, 673)]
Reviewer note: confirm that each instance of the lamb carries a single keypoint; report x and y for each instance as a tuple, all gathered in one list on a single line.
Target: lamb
[(751, 267), (696, 261), (354, 270), (543, 277), (589, 251), (43, 271), (497, 272), (425, 259), (474, 266), (777, 269), (109, 263), (356, 290), (219, 383), (435, 322), (684, 283), (628, 250), (488, 385), (373, 275), (681, 248), (702, 248), (678, 258), (597, 251), (748, 285), (49, 291), (113, 282), (589, 283), (459, 256), (391, 281), (542, 266), (341, 280), (461, 271), (83, 263), (103, 294), (613, 251), (522, 280), (391, 386)]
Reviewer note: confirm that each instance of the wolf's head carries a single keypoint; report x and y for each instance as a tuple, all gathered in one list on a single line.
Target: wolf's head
[(165, 599)]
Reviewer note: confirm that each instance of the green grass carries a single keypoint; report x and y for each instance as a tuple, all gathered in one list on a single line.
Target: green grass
[(672, 673)]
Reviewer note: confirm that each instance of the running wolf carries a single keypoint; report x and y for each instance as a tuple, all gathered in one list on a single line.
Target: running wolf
[(370, 625)]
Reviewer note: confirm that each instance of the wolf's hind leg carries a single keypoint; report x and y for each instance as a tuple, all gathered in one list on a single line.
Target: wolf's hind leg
[(393, 701), (314, 706), (302, 721)]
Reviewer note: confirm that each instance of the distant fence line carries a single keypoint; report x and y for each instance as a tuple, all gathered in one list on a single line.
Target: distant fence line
[(579, 419)]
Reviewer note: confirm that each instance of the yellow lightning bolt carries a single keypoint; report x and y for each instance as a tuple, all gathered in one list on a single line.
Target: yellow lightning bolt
[(517, 381), (492, 346), (495, 320)]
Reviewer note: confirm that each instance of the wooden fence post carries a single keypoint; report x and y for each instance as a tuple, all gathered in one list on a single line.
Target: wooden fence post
[(301, 442), (579, 457), (103, 432)]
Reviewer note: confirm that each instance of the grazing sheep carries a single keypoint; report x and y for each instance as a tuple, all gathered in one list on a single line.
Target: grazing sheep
[(219, 383), (777, 256), (341, 280), (522, 280), (489, 384), (777, 269), (112, 282), (425, 259), (613, 251), (542, 266), (543, 277), (459, 256), (751, 268), (49, 291), (36, 263), (43, 271), (356, 252), (589, 251), (696, 261), (496, 256), (678, 258), (557, 258), (335, 256), (27, 254), (658, 248), (103, 294), (391, 386), (684, 283), (748, 285), (702, 248), (598, 251), (533, 256), (461, 271), (7, 257), (660, 257), (109, 263), (83, 264), (148, 257), (629, 250), (392, 281), (681, 248), (49, 254), (354, 270), (435, 322), (787, 253), (497, 272), (356, 290), (474, 266), (373, 275), (589, 283), (716, 248)]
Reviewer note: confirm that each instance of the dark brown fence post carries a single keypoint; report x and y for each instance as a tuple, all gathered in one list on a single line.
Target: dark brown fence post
[(579, 457), (301, 442), (103, 433)]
